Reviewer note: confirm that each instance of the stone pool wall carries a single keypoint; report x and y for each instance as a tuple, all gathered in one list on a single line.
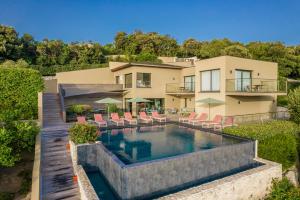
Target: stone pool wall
[(250, 184), (157, 176)]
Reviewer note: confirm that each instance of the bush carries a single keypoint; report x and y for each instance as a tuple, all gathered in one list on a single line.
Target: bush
[(52, 70), (277, 140), (19, 89), (283, 190), (282, 101), (294, 104), (113, 108), (83, 133), (79, 108), (16, 137)]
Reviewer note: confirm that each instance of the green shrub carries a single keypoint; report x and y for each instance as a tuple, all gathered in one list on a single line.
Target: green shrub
[(283, 190), (83, 133), (6, 196), (79, 108), (294, 104), (16, 137), (53, 69), (282, 101), (19, 89), (277, 140), (26, 181), (113, 108)]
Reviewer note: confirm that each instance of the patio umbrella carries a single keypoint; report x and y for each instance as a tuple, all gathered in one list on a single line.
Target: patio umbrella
[(138, 100), (108, 101), (210, 101)]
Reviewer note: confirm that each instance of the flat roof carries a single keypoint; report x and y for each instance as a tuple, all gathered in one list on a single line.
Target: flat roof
[(147, 64)]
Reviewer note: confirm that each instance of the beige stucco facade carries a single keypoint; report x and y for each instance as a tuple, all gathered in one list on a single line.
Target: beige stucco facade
[(168, 83), (238, 102)]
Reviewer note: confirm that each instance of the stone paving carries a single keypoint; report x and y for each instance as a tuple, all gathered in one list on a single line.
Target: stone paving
[(56, 164)]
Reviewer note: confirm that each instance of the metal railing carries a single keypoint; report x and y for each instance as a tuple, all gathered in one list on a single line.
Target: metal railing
[(260, 117), (187, 87), (61, 94), (255, 85)]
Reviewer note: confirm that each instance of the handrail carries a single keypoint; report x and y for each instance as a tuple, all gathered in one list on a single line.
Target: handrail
[(62, 104)]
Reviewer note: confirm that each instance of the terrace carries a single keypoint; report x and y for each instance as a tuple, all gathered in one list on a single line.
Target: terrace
[(180, 89), (255, 86)]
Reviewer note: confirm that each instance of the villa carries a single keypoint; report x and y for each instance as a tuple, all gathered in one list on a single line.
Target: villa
[(166, 159), (245, 86)]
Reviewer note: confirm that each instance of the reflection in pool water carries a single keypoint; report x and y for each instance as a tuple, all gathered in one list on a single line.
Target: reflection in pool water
[(133, 145)]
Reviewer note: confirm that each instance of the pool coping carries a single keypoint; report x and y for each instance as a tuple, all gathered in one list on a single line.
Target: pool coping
[(123, 165)]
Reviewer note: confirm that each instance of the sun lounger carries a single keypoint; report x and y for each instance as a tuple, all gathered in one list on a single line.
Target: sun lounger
[(145, 118), (158, 117), (217, 120), (116, 119), (128, 118), (99, 120), (186, 119), (199, 120), (81, 120), (229, 121)]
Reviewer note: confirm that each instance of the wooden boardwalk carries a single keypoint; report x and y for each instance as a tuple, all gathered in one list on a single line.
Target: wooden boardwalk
[(56, 165)]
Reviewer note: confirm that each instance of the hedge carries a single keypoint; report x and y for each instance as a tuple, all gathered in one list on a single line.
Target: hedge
[(277, 140), (83, 133), (283, 190), (53, 69), (19, 90)]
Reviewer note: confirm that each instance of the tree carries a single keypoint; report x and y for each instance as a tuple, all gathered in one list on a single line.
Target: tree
[(191, 47), (294, 105), (10, 47), (237, 50)]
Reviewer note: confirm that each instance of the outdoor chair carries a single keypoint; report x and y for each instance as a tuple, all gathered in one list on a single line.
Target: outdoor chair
[(145, 118), (99, 120), (128, 118), (229, 121), (116, 119), (81, 120), (158, 117), (186, 119), (216, 121), (199, 120)]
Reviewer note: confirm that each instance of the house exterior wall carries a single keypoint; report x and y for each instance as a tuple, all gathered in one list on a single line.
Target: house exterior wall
[(235, 104), (88, 76)]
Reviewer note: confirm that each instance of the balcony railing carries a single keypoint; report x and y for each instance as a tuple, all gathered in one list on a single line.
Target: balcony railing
[(255, 85), (180, 88)]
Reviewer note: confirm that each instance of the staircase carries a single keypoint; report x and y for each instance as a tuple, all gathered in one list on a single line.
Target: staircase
[(56, 164)]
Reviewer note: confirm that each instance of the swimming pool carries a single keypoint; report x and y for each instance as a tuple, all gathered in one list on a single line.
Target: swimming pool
[(134, 145), (144, 162)]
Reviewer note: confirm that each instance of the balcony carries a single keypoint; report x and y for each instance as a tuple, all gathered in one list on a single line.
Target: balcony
[(255, 87), (181, 89)]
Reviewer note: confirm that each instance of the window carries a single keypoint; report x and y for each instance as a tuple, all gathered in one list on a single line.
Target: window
[(117, 79), (143, 80), (128, 80), (210, 80), (242, 80), (189, 83)]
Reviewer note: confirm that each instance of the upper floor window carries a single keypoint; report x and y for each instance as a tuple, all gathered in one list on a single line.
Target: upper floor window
[(210, 80), (243, 80), (143, 80), (128, 80), (189, 83), (117, 79)]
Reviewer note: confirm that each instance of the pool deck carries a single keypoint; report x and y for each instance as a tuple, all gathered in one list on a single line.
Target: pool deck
[(56, 172)]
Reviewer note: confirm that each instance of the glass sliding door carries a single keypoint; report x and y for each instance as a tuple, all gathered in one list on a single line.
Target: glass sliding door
[(242, 80), (189, 83)]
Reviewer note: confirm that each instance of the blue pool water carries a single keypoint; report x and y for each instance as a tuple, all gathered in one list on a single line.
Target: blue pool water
[(133, 145)]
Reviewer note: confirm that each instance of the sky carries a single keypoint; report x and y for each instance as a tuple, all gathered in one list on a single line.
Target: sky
[(100, 20)]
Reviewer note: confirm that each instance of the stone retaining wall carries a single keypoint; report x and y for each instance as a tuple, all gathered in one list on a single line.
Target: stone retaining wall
[(159, 176)]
